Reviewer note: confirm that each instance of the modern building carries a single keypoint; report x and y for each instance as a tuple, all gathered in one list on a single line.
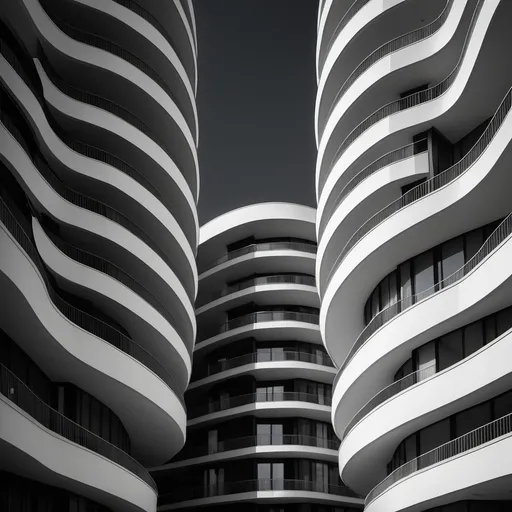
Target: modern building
[(414, 267), (259, 436), (98, 234)]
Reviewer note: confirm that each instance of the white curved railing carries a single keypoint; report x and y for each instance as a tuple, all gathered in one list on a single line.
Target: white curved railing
[(484, 434), (395, 45), (497, 237), (410, 101)]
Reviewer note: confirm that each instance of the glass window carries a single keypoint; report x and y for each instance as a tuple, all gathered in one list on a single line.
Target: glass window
[(474, 241), (405, 284), (468, 420), (435, 435), (277, 433), (423, 266), (392, 288), (490, 328), (473, 338), (278, 470), (502, 405), (426, 356), (452, 256), (375, 302), (213, 437), (264, 354), (384, 293), (264, 470), (95, 416), (504, 321), (410, 448), (404, 370), (450, 349), (84, 417)]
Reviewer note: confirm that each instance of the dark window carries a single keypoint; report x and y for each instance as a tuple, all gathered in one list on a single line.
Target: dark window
[(473, 338), (423, 266), (502, 405), (474, 241), (435, 435), (452, 256), (490, 329), (504, 321), (450, 349), (469, 420), (405, 284)]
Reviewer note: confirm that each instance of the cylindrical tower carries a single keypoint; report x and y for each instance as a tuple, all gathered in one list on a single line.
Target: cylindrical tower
[(259, 435), (413, 186), (98, 235)]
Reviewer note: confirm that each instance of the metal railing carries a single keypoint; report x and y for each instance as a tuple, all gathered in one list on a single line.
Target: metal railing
[(78, 199), (258, 440), (102, 103), (80, 318), (261, 316), (412, 37), (106, 267), (137, 8), (27, 72), (433, 184), (265, 246), (109, 46), (349, 14), (262, 484), (389, 391), (410, 101), (497, 237), (397, 155), (20, 394), (258, 397), (482, 435), (206, 370), (260, 281)]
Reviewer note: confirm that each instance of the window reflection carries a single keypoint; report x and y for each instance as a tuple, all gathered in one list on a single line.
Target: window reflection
[(423, 275)]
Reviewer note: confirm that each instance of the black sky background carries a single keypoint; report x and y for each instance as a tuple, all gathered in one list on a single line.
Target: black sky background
[(256, 96)]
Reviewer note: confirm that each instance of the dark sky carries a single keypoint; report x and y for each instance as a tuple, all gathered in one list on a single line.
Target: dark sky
[(256, 96)]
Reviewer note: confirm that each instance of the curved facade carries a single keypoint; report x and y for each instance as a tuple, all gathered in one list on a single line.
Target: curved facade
[(259, 403), (413, 265), (98, 236)]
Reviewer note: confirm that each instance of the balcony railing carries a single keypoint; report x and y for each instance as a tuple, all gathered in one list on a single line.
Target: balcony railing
[(433, 184), (497, 237), (262, 316), (82, 319), (108, 46), (261, 357), (408, 102), (388, 392), (257, 440), (349, 14), (263, 484), (137, 8), (98, 101), (260, 281), (78, 199), (478, 437), (391, 47), (259, 397), (397, 155), (29, 75), (258, 247), (20, 394)]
